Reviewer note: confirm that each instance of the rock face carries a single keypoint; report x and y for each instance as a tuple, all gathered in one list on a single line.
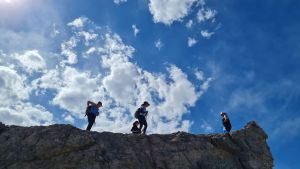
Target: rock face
[(66, 147)]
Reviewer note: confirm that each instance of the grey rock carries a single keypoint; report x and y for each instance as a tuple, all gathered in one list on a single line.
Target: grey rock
[(66, 147)]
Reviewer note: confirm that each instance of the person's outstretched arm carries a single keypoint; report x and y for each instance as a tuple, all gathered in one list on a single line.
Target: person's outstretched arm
[(90, 103)]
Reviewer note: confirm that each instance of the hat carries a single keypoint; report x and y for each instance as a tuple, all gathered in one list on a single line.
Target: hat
[(146, 103), (222, 113)]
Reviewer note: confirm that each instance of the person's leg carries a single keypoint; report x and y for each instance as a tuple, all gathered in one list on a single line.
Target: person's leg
[(89, 126), (91, 120), (145, 128), (141, 123)]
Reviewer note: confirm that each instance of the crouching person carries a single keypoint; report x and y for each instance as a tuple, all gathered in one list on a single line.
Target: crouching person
[(135, 129)]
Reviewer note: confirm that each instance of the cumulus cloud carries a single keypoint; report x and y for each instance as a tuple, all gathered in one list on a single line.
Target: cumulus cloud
[(12, 86), (77, 87), (25, 114), (158, 44), (168, 11), (191, 41), (206, 34), (15, 107), (31, 60), (135, 30)]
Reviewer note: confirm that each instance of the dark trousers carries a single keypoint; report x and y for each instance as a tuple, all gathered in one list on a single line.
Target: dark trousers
[(143, 122), (91, 120)]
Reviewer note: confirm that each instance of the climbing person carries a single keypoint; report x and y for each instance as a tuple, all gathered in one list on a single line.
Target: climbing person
[(92, 111), (226, 122), (141, 114), (135, 129)]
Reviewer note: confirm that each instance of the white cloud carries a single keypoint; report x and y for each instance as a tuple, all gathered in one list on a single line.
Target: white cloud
[(67, 50), (91, 50), (168, 11), (206, 84), (25, 114), (189, 24), (50, 80), (78, 22), (119, 1), (88, 36), (77, 87), (15, 90), (12, 86), (31, 60), (158, 44), (135, 30), (199, 75), (205, 14), (191, 41), (206, 34), (68, 118)]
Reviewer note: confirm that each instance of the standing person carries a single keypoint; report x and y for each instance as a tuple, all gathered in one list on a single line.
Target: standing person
[(135, 129), (92, 111), (226, 122), (141, 115)]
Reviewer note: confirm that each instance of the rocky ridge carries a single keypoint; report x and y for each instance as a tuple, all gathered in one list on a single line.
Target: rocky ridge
[(66, 147)]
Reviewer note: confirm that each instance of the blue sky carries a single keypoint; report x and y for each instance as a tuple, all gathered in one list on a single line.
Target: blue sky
[(190, 59)]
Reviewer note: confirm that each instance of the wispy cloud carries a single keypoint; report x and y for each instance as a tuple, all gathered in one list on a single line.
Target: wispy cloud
[(206, 14), (206, 127), (288, 128), (119, 1), (189, 24), (206, 34), (135, 30), (158, 44)]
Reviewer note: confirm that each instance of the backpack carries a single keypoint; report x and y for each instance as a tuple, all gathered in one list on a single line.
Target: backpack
[(88, 110), (137, 113)]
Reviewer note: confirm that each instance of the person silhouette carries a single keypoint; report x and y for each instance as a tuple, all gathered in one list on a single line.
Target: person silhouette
[(92, 111), (141, 115), (226, 122)]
